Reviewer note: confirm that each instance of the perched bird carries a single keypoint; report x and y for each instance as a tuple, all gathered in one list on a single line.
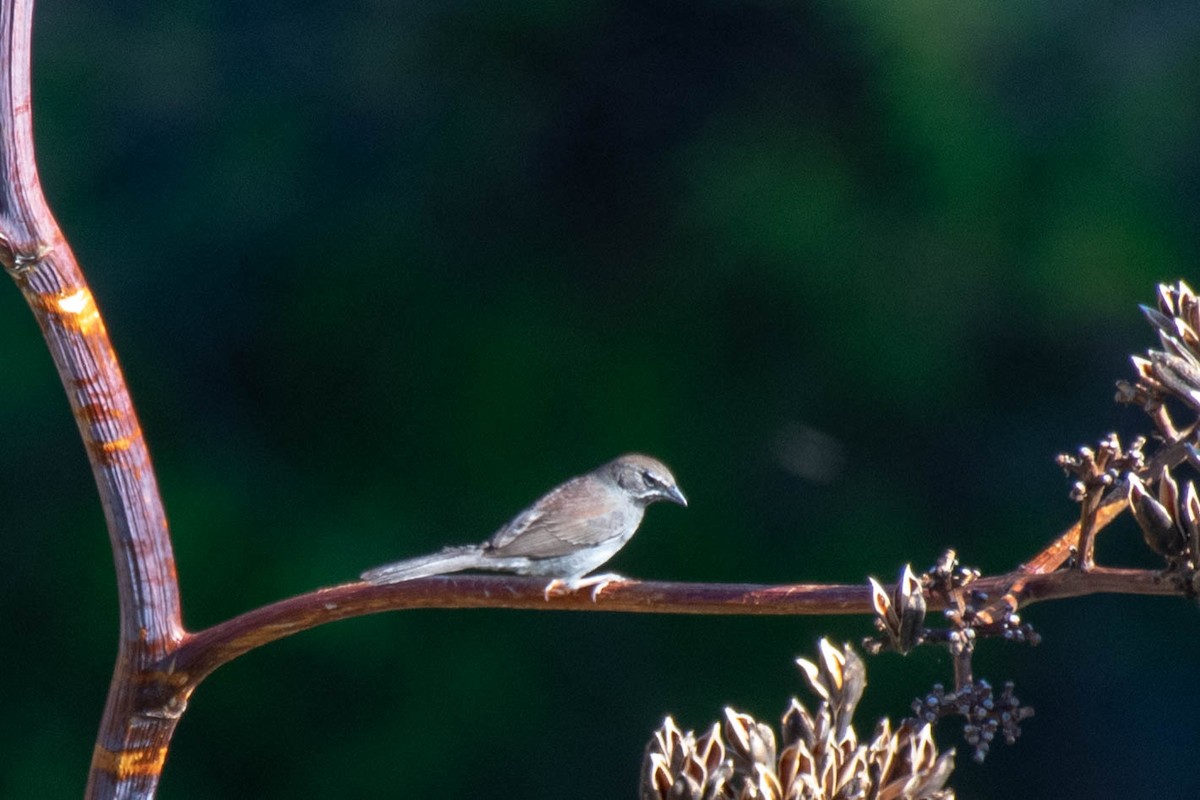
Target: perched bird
[(566, 534)]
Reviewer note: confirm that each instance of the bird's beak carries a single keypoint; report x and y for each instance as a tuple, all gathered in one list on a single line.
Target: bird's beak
[(676, 496)]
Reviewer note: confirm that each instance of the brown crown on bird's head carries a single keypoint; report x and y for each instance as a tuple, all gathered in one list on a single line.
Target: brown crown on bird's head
[(646, 479)]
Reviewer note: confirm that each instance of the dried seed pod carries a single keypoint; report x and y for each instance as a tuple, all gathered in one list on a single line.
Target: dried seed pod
[(1159, 530), (1180, 376), (750, 742), (1186, 334), (839, 678), (1174, 344), (911, 599), (886, 616), (1161, 321), (1189, 519), (797, 726), (901, 615), (1166, 298), (1168, 491), (1148, 388)]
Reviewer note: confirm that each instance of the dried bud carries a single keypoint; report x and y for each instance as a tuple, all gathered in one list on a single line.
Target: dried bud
[(750, 742), (901, 616), (1160, 321), (1168, 491), (839, 680), (1189, 519), (797, 726), (1179, 374), (911, 601), (1144, 369), (1158, 527)]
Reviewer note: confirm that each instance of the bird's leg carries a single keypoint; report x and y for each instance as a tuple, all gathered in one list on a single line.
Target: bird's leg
[(598, 583)]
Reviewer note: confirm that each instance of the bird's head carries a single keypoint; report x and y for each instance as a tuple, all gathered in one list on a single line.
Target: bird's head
[(647, 480)]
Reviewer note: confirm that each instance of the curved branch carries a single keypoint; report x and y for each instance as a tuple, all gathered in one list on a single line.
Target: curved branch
[(130, 745)]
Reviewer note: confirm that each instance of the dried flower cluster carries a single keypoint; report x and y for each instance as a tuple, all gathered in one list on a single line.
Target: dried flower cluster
[(1170, 517), (1174, 371), (820, 759), (986, 714), (1098, 469), (1170, 523), (971, 615)]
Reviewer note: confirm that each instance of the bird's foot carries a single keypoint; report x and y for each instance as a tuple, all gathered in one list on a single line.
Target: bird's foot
[(599, 583)]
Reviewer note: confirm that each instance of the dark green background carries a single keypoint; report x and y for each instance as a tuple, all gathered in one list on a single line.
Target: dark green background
[(382, 272)]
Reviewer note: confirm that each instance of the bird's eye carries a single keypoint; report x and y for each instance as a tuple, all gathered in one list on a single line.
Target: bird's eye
[(651, 479)]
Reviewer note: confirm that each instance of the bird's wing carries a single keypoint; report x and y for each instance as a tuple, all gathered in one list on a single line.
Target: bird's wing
[(568, 518)]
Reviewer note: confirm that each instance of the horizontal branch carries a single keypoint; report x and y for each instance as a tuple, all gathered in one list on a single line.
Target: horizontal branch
[(203, 652)]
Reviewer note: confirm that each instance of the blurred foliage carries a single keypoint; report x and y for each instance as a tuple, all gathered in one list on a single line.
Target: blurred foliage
[(381, 273)]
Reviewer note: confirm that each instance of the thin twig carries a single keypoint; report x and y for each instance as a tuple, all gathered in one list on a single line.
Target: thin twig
[(1059, 551), (1089, 508), (963, 676)]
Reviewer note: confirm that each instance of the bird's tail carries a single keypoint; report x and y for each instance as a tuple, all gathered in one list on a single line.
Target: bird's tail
[(448, 559)]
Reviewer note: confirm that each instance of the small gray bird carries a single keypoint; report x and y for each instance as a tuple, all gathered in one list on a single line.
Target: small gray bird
[(566, 534)]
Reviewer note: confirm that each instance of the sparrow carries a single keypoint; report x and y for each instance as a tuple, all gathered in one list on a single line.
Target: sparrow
[(570, 531)]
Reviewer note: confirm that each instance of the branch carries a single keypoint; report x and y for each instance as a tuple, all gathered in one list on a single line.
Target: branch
[(1061, 549), (130, 746), (203, 652)]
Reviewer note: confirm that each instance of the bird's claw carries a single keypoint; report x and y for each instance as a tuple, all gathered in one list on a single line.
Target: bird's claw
[(599, 583)]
